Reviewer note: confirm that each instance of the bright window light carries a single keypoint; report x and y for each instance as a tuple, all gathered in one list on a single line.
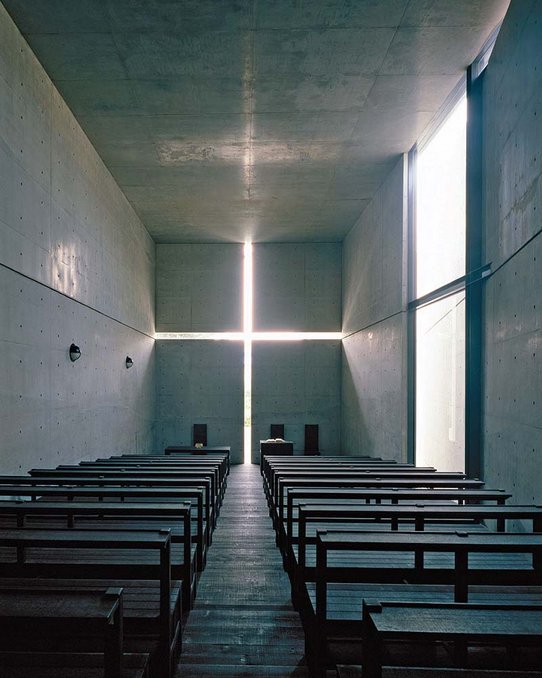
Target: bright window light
[(296, 336), (201, 336), (247, 327), (440, 244), (440, 204), (247, 289)]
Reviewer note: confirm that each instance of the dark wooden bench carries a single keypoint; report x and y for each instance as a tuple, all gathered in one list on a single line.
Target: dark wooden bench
[(353, 498), (131, 475), (272, 469), (355, 671), (363, 478), (163, 464), (355, 481), (393, 633), (88, 556), (282, 466), (451, 517), (189, 450), (68, 665), (136, 478), (184, 554), (269, 459), (31, 621), (327, 471), (123, 489), (370, 480), (114, 516), (438, 567), (220, 462)]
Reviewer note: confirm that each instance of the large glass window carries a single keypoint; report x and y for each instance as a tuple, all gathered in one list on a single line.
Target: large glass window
[(439, 321), (440, 384), (440, 204)]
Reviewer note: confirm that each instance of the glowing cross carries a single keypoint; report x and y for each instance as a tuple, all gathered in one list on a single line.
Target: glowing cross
[(247, 336)]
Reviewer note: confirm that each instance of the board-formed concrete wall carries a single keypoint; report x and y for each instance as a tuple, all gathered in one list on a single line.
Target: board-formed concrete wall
[(200, 382), (297, 383), (199, 288), (512, 415), (76, 265), (373, 392), (297, 287)]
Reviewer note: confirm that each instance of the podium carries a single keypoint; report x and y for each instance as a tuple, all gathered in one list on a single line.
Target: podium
[(278, 447)]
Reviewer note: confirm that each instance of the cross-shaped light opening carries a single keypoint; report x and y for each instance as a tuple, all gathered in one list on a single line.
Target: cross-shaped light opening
[(248, 336), (247, 331)]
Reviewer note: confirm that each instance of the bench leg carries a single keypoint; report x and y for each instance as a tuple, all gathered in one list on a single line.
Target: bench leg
[(316, 650), (461, 652), (372, 656)]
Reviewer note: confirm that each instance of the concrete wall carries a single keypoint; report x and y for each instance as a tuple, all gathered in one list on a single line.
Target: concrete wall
[(513, 309), (199, 288), (297, 383), (373, 397), (200, 382), (75, 265), (297, 287)]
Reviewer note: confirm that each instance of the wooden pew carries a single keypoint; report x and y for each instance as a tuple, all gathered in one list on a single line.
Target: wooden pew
[(32, 621), (435, 565), (150, 474), (268, 459), (220, 462), (362, 478), (275, 465), (362, 481), (354, 497), (450, 517), (113, 516), (217, 468), (124, 489), (184, 555), (190, 450), (355, 671), (88, 556), (135, 478), (276, 473), (408, 625), (69, 665)]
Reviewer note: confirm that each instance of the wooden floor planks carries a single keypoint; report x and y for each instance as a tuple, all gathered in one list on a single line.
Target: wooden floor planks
[(243, 623)]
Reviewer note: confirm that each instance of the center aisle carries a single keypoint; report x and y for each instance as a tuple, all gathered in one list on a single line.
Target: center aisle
[(243, 623)]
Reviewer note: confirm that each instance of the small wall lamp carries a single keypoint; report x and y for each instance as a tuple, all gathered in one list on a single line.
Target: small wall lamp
[(75, 353), (129, 362)]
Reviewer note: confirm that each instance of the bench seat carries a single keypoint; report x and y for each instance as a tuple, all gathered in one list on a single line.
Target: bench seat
[(68, 665), (156, 622), (344, 600), (141, 598), (414, 634), (498, 561), (355, 671)]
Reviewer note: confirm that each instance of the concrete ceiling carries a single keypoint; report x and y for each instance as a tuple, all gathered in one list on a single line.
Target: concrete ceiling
[(272, 119)]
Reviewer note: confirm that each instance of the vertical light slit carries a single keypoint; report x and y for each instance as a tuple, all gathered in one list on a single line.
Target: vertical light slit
[(247, 330)]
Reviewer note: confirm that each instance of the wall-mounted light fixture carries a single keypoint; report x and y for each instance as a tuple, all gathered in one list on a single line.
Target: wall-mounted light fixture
[(75, 353), (129, 362)]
